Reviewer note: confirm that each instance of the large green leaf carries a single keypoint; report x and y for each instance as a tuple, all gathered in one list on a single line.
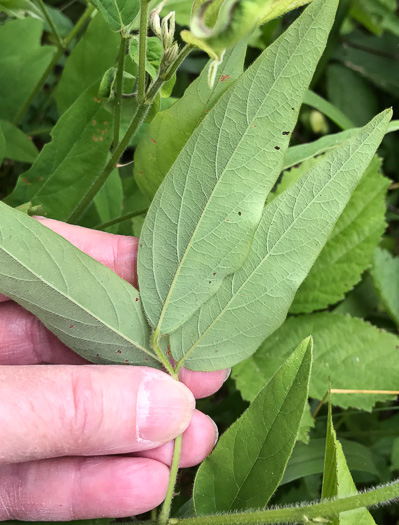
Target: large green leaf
[(22, 63), (338, 482), (87, 63), (17, 145), (119, 14), (251, 304), (385, 275), (352, 353), (85, 304), (255, 450), (68, 165), (201, 222), (350, 246), (159, 147)]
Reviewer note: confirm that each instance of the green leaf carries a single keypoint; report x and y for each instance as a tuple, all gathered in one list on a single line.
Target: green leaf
[(376, 15), (68, 165), (87, 63), (255, 450), (385, 275), (25, 60), (201, 222), (352, 353), (17, 145), (337, 480), (251, 304), (350, 246), (85, 304), (119, 14), (2, 145), (170, 129), (182, 9), (153, 55), (329, 110)]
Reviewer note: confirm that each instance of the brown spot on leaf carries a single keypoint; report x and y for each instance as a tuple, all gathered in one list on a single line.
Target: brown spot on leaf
[(140, 172), (105, 122), (95, 139), (137, 299), (119, 351), (71, 326), (94, 122), (214, 273), (146, 359), (127, 361), (277, 148), (153, 141), (26, 181), (97, 99), (223, 78)]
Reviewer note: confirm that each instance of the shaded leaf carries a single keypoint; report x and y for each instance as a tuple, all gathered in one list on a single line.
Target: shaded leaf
[(349, 248), (201, 222), (350, 351), (251, 304), (68, 165), (25, 60), (17, 145), (2, 145), (159, 148), (254, 451), (385, 275), (85, 304), (119, 14)]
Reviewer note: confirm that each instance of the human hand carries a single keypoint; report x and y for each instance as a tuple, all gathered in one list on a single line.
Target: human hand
[(90, 441)]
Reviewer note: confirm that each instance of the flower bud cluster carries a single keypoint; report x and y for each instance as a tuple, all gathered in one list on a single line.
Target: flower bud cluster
[(165, 31)]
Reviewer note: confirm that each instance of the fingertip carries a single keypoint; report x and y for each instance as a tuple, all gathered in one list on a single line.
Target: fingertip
[(203, 384)]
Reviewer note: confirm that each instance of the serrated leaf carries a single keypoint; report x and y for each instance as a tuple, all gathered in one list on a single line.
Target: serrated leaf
[(119, 14), (255, 450), (251, 304), (159, 148), (86, 64), (17, 145), (68, 165), (337, 480), (385, 275), (86, 305), (25, 59), (201, 222), (349, 248), (349, 351)]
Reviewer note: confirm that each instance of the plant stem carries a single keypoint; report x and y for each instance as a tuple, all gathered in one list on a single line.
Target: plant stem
[(122, 218), (50, 22), (165, 512), (119, 88), (302, 514), (142, 50), (82, 20)]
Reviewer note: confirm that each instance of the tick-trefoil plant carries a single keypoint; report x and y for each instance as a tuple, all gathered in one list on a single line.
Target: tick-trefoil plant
[(227, 248)]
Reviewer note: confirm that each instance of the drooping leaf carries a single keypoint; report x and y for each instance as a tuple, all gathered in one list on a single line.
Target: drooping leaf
[(337, 480), (251, 304), (87, 63), (352, 353), (17, 145), (255, 450), (67, 166), (159, 147), (201, 222), (385, 275), (85, 304), (349, 248), (23, 63), (119, 14)]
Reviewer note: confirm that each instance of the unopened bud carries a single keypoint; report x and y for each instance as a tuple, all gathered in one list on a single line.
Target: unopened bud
[(155, 23), (168, 29), (170, 55)]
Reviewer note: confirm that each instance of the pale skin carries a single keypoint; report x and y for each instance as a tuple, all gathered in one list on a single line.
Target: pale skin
[(80, 442)]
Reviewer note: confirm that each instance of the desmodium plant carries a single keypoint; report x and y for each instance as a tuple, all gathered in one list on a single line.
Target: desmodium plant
[(228, 247)]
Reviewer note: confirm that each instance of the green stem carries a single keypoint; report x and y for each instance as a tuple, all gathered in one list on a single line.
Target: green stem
[(50, 22), (139, 116), (119, 87), (302, 514), (82, 20), (165, 512), (122, 218), (142, 50), (162, 357)]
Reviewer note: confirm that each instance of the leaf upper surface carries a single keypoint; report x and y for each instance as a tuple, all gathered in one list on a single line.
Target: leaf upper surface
[(254, 302), (255, 450), (202, 220), (385, 275), (86, 305)]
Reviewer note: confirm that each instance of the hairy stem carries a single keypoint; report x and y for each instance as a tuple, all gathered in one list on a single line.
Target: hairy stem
[(50, 22), (165, 512), (82, 20), (142, 50), (301, 514), (119, 87), (122, 218)]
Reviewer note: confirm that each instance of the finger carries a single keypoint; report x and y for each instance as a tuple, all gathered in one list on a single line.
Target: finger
[(203, 384), (88, 410), (118, 252), (81, 488), (198, 441)]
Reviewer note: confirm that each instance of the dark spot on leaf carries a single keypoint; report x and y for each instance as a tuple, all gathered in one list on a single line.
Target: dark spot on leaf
[(254, 126), (141, 245), (140, 172), (277, 148), (127, 361), (286, 133), (210, 282), (26, 181), (153, 141), (293, 109), (119, 351), (239, 213), (146, 359), (223, 78), (71, 326), (97, 355), (214, 273), (227, 220), (137, 299)]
